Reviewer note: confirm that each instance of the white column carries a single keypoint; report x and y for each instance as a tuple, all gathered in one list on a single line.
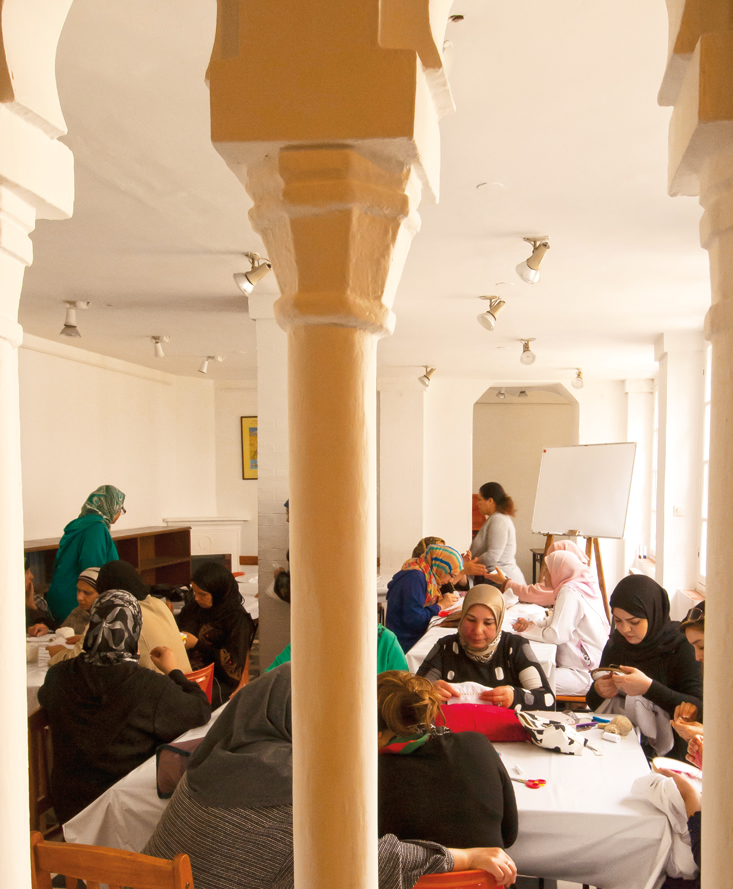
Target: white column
[(679, 464), (272, 484), (639, 428)]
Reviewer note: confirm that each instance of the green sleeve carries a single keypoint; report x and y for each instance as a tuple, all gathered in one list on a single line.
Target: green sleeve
[(390, 655), (282, 658)]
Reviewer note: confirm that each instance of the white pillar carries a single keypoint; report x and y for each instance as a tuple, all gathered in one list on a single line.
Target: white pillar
[(272, 485), (679, 462), (639, 428)]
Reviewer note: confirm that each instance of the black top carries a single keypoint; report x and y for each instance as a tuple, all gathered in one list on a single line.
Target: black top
[(454, 790), (514, 663), (106, 721)]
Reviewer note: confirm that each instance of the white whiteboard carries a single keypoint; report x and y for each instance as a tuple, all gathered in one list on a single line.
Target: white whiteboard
[(584, 489)]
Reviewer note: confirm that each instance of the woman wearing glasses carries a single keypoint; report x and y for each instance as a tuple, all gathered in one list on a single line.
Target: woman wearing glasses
[(86, 542)]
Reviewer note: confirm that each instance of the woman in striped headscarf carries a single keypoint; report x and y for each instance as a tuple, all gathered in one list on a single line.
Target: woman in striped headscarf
[(414, 597)]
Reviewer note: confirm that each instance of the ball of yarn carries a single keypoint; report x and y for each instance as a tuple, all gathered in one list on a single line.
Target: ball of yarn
[(619, 725)]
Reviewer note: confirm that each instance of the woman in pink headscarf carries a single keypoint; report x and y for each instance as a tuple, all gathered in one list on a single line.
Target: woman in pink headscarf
[(577, 625), (542, 593)]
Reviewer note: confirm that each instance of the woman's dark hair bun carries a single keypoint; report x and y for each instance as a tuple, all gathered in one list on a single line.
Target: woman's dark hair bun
[(494, 491)]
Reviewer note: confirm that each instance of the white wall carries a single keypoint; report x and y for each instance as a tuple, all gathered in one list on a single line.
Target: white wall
[(235, 496), (87, 420), (508, 439)]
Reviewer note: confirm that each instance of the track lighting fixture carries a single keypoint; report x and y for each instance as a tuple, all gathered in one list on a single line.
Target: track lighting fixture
[(424, 380), (578, 382), (488, 319), (70, 328), (529, 270), (528, 356), (246, 280), (204, 366), (157, 342), (501, 394)]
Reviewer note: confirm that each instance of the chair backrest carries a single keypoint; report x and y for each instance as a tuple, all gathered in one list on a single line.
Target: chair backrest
[(97, 865), (40, 756), (204, 678), (459, 879)]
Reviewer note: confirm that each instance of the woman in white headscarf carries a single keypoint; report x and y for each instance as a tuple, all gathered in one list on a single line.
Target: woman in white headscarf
[(578, 624)]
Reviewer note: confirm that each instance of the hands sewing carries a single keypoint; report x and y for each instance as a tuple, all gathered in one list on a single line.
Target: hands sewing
[(631, 682), (501, 696), (191, 641), (684, 721), (521, 624), (694, 751), (38, 630)]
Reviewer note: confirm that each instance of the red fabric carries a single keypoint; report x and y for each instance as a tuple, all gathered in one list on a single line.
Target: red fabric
[(497, 723)]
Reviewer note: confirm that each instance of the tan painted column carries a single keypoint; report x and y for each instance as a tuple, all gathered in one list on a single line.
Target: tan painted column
[(699, 83), (36, 173), (328, 113)]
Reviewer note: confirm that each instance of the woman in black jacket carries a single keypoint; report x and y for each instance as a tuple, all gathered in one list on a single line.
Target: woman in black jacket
[(107, 713)]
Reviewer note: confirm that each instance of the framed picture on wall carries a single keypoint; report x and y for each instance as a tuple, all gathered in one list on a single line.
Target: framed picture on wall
[(249, 447)]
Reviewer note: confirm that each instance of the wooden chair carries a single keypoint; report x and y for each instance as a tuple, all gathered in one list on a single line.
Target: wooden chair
[(40, 760), (574, 702), (461, 879), (203, 677), (96, 865)]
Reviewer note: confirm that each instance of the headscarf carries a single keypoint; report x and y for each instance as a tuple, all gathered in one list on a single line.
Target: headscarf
[(641, 596), (565, 569), (120, 575), (89, 576), (435, 558), (106, 501), (246, 759), (219, 582), (112, 637), (483, 594), (568, 546)]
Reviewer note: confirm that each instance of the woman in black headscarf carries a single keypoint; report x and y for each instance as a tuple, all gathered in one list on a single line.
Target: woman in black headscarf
[(218, 628), (658, 667), (232, 811), (107, 713)]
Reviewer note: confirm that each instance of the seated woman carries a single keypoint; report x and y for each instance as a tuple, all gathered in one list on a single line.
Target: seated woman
[(218, 629), (658, 667), (108, 715), (482, 652), (542, 593), (578, 624), (86, 595), (38, 619), (389, 653), (685, 722), (238, 791), (476, 804), (413, 594)]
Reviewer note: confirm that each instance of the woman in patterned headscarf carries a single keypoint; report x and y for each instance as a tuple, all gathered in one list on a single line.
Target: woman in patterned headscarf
[(86, 542), (107, 713), (413, 596)]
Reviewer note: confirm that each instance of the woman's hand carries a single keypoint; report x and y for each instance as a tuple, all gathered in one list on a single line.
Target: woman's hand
[(521, 624), (501, 696), (685, 712), (694, 751), (72, 640), (447, 600), (473, 567), (493, 860), (689, 793), (38, 630), (632, 681), (686, 730), (605, 686), (191, 641), (445, 690), (164, 659), (497, 576)]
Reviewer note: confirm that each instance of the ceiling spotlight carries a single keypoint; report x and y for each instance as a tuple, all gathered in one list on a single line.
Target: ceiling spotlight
[(488, 319), (157, 341), (246, 280), (501, 394), (204, 366), (424, 380), (529, 270), (578, 383), (70, 328), (527, 356), (523, 393)]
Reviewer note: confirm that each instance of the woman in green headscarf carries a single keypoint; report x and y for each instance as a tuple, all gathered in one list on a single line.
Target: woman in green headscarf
[(86, 543)]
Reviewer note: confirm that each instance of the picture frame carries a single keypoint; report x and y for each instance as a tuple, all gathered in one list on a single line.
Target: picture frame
[(249, 447)]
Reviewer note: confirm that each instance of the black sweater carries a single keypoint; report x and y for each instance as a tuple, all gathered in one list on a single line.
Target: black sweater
[(454, 790), (106, 721), (512, 659)]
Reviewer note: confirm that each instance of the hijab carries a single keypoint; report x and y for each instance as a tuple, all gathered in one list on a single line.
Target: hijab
[(105, 501), (566, 569), (112, 637), (483, 594), (246, 759), (568, 546), (89, 576), (120, 575), (215, 579), (641, 596), (435, 558)]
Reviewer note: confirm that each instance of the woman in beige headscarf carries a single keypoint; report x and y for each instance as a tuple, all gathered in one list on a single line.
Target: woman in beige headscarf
[(482, 652)]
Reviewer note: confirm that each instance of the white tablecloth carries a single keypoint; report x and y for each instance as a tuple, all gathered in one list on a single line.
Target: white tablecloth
[(583, 826)]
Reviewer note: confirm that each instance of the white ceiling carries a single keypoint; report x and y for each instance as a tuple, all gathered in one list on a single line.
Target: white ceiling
[(556, 113)]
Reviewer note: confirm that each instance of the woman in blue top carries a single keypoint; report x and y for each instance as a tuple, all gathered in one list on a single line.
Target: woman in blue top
[(86, 543), (413, 596)]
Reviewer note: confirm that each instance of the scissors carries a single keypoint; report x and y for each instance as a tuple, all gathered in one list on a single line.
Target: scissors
[(532, 783)]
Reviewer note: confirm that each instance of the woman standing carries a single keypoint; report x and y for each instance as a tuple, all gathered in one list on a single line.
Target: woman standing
[(218, 629), (86, 542), (495, 544)]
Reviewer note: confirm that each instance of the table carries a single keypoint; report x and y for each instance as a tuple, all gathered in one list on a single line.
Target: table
[(583, 826)]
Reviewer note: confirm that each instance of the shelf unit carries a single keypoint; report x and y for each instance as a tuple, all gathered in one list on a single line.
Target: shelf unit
[(160, 554)]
